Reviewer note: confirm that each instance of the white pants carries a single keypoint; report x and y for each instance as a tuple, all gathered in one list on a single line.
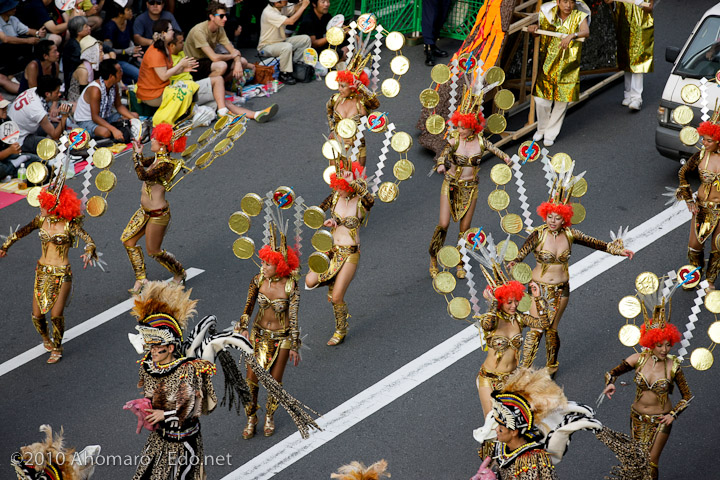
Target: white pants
[(291, 49), (549, 118), (205, 93), (633, 86)]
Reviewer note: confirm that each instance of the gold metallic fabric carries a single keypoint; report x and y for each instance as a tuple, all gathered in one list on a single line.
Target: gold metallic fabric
[(267, 345), (252, 406), (644, 427), (552, 347), (530, 347), (338, 256), (168, 260), (438, 240), (40, 325), (48, 280), (141, 217), (554, 292), (706, 220), (340, 310), (135, 254), (635, 38), (559, 73), (460, 194), (272, 404), (489, 378), (58, 330), (713, 266)]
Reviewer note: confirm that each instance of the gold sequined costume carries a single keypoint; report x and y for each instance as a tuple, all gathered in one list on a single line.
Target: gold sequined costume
[(534, 243), (529, 462), (635, 38), (363, 97)]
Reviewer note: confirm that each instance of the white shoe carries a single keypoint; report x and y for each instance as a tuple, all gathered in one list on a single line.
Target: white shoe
[(635, 105), (222, 112), (537, 137), (549, 143), (626, 102)]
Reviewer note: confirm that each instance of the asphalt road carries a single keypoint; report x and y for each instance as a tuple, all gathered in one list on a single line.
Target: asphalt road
[(396, 315)]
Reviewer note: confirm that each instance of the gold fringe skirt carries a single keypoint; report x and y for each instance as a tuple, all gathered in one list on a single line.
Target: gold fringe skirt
[(48, 280), (646, 427), (141, 217), (554, 292), (706, 220), (338, 256), (460, 194), (267, 345)]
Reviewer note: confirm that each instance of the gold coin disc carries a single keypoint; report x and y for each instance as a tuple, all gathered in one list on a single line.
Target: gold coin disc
[(466, 63), (496, 123), (237, 131), (244, 248), (522, 272), (46, 149), (403, 169), (37, 172), (283, 197), (459, 308), (239, 222), (444, 282), (495, 75), (690, 93), (390, 87), (701, 359), (189, 150), (524, 149), (204, 160), (448, 256), (435, 124), (314, 217), (79, 138), (331, 149), (331, 80), (579, 213), (322, 241), (525, 303), (327, 172), (501, 174), (580, 188), (689, 136), (561, 162), (222, 147), (511, 223), (647, 283), (395, 41), (105, 181), (204, 136), (498, 200), (96, 206), (712, 301), (329, 58), (400, 65), (401, 142), (102, 158), (220, 124), (335, 37), (429, 98), (440, 73), (693, 282), (377, 122), (629, 335), (346, 128), (511, 252), (251, 204), (504, 99), (318, 262), (683, 115), (388, 192), (714, 332), (629, 307), (32, 196)]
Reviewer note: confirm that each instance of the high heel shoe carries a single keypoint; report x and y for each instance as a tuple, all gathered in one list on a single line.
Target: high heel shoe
[(269, 428), (137, 291), (249, 431), (55, 356)]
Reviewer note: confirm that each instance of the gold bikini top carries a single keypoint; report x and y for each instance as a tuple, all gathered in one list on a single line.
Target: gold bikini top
[(546, 258), (351, 222), (708, 178), (62, 241), (662, 387), (277, 304)]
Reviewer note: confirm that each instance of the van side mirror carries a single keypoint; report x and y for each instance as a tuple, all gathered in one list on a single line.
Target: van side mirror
[(671, 54)]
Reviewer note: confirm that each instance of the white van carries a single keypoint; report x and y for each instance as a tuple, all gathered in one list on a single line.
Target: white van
[(700, 57)]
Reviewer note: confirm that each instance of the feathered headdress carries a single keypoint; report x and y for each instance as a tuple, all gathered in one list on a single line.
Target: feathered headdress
[(162, 311), (46, 460), (358, 471), (656, 309), (491, 264), (278, 253), (563, 185)]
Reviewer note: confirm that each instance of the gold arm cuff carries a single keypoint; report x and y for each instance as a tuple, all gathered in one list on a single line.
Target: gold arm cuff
[(616, 247), (244, 322)]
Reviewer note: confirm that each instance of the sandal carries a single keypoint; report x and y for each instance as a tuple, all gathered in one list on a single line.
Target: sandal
[(249, 431), (269, 426), (181, 281), (55, 356), (137, 291), (336, 339), (47, 343)]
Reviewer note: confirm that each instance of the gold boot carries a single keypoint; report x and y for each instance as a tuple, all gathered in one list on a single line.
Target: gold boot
[(552, 347), (697, 259), (135, 254), (168, 260), (341, 324), (654, 473), (251, 412), (460, 273), (530, 347), (58, 329), (713, 268), (40, 325), (270, 408), (436, 243)]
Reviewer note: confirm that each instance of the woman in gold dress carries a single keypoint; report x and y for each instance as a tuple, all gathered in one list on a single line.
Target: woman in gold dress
[(275, 333), (706, 207), (153, 217), (656, 372), (349, 206), (60, 224), (459, 162)]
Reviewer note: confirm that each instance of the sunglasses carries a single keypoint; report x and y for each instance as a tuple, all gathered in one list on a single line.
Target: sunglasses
[(220, 15), (155, 2)]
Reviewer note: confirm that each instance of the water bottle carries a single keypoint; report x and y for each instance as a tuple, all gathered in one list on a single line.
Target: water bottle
[(22, 173)]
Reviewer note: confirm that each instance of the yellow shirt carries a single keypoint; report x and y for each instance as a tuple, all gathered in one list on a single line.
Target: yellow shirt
[(185, 76), (635, 38)]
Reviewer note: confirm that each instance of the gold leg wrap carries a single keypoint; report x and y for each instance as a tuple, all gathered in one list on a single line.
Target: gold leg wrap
[(696, 259), (58, 330), (330, 290), (654, 474), (135, 254), (270, 407), (251, 411), (530, 347), (438, 240), (713, 267), (168, 260), (341, 324), (461, 266), (552, 347), (41, 326)]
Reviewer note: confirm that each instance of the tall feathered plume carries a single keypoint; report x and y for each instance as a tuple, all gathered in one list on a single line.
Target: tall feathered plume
[(358, 471), (162, 297), (538, 389)]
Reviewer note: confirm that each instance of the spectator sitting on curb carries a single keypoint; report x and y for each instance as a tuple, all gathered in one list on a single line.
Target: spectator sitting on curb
[(16, 39), (45, 63), (78, 28), (30, 110), (7, 152), (143, 26), (273, 41)]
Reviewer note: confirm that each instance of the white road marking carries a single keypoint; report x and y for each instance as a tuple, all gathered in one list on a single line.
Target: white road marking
[(78, 330), (398, 383)]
